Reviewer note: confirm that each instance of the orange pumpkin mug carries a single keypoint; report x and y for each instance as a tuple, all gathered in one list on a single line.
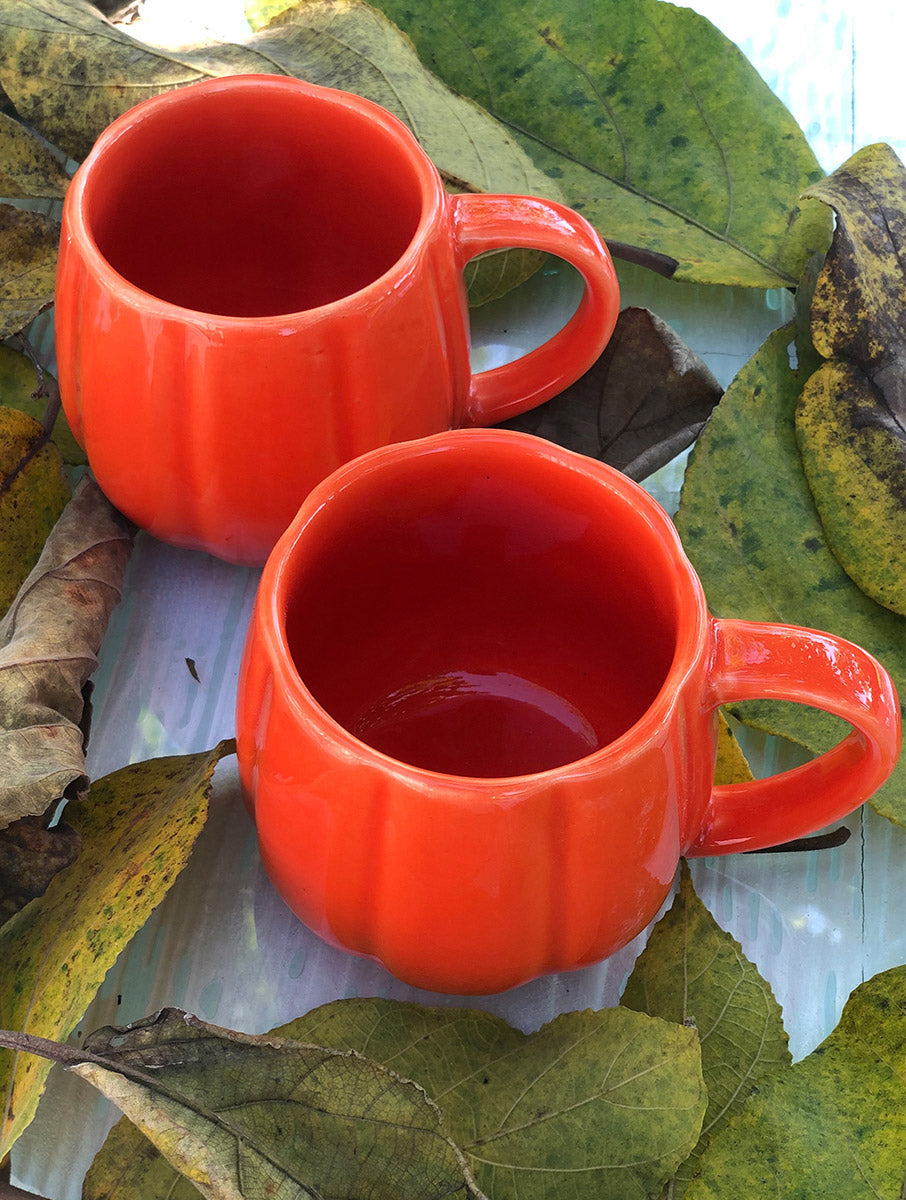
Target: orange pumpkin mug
[(477, 712), (260, 279)]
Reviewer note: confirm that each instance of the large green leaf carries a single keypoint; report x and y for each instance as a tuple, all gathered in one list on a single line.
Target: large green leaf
[(249, 1117), (749, 524), (137, 828), (851, 418), (602, 1105), (691, 970), (833, 1125), (651, 121)]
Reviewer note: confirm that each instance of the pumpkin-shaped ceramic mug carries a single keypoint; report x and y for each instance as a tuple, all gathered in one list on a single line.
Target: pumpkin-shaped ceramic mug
[(477, 712), (260, 279)]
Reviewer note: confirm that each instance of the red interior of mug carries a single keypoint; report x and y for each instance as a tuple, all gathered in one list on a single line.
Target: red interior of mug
[(482, 613), (253, 197)]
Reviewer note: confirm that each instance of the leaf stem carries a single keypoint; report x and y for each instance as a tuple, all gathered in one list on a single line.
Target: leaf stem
[(661, 264), (822, 841), (30, 1043)]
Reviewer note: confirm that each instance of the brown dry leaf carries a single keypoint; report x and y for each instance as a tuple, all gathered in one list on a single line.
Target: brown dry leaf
[(644, 400), (48, 643), (30, 856)]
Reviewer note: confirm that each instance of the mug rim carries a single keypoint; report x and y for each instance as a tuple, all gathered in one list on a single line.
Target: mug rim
[(77, 224), (272, 606)]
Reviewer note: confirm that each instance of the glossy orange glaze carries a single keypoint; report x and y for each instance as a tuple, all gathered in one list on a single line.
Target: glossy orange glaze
[(259, 280), (476, 715)]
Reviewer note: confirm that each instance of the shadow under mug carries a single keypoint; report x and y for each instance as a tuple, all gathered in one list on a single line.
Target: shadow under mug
[(476, 714), (260, 279)]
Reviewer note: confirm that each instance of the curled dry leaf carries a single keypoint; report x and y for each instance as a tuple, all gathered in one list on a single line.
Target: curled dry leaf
[(245, 1116), (49, 639), (851, 417), (137, 829), (833, 1124), (644, 400), (30, 856), (692, 971), (28, 266), (33, 493)]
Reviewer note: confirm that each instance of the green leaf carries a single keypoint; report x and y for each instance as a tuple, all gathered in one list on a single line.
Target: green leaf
[(833, 1124), (595, 1104), (245, 1116), (691, 970), (21, 387), (644, 400), (137, 828), (28, 168), (28, 264), (49, 640), (749, 524), (33, 493), (851, 420), (129, 1167), (655, 126), (529, 1113)]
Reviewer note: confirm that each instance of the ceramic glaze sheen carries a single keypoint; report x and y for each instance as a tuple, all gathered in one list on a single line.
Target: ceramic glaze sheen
[(476, 714), (260, 279)]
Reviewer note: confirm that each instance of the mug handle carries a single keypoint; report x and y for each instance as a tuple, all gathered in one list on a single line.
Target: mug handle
[(755, 661), (487, 222)]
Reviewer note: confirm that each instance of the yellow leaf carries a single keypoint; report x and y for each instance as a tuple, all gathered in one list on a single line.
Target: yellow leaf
[(854, 457), (137, 827), (28, 265), (28, 169), (731, 765), (33, 492), (21, 388)]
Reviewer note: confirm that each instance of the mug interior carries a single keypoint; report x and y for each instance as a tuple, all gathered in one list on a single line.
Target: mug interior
[(253, 199), (483, 613)]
